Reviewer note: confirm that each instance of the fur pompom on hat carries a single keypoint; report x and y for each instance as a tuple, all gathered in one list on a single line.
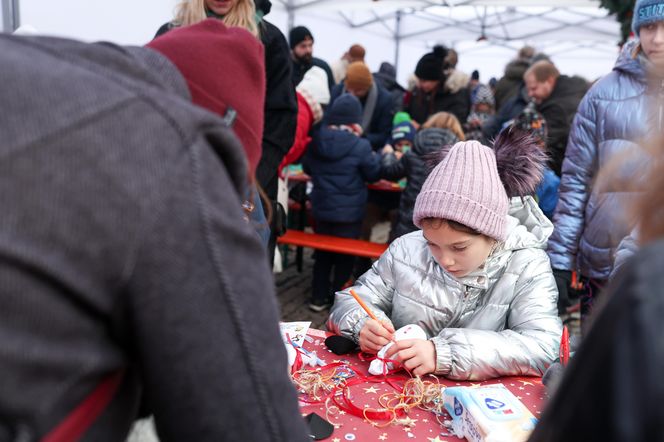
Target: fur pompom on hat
[(430, 66), (358, 77), (472, 183)]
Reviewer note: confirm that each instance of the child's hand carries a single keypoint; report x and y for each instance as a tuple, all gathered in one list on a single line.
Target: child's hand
[(416, 355), (398, 154), (387, 149), (375, 336)]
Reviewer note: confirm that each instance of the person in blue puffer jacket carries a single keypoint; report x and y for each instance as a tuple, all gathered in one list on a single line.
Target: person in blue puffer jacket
[(615, 114), (340, 163)]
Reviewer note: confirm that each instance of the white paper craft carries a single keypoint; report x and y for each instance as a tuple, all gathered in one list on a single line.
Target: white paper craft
[(410, 331)]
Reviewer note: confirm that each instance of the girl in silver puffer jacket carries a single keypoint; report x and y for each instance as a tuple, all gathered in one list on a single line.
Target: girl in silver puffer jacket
[(476, 278)]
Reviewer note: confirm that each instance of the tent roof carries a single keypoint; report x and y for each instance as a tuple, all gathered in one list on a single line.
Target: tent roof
[(498, 21)]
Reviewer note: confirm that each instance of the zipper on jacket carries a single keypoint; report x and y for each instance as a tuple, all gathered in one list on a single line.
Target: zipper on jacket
[(462, 306), (661, 103)]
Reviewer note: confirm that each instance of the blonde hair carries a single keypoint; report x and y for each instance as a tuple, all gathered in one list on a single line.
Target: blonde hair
[(241, 15), (445, 120)]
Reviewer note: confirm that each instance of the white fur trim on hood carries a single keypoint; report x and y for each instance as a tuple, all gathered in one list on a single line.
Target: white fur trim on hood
[(315, 83)]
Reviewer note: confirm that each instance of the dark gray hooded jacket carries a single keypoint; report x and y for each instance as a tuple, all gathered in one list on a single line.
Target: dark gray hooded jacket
[(123, 247)]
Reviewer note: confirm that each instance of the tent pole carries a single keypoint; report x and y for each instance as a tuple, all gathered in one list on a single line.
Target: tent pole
[(291, 14), (397, 40), (10, 17)]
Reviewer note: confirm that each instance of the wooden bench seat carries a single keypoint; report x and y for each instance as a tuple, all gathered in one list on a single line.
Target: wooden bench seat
[(356, 247)]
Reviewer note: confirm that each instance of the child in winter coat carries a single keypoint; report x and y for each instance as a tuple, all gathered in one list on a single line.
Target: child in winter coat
[(483, 107), (340, 163), (412, 167), (476, 278)]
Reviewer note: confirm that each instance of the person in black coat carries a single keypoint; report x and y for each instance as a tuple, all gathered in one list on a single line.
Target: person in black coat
[(557, 97), (387, 78), (340, 163), (301, 42), (412, 166), (377, 109), (431, 95)]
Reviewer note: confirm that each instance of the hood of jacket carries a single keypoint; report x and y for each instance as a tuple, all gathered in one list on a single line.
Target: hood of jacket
[(516, 68), (568, 87), (432, 139), (527, 228), (388, 82), (632, 65), (335, 143)]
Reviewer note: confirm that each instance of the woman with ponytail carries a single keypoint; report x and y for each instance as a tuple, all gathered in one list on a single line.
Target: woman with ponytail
[(476, 278)]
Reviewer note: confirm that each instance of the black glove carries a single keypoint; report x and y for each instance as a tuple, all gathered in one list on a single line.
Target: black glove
[(563, 282), (552, 377)]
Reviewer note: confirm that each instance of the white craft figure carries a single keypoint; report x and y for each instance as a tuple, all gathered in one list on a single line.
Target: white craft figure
[(410, 331)]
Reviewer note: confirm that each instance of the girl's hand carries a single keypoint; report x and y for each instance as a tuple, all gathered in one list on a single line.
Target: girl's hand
[(375, 335), (417, 355)]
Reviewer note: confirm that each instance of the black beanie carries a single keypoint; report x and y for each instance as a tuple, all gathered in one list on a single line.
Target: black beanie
[(346, 109), (298, 34), (430, 66)]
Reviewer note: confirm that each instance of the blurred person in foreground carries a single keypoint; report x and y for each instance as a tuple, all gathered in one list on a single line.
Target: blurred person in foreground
[(128, 270), (612, 389)]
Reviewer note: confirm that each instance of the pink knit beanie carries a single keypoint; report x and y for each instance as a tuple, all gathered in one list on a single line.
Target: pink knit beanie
[(472, 183)]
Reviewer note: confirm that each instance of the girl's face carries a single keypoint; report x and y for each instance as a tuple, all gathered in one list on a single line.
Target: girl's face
[(220, 7), (652, 42), (459, 253)]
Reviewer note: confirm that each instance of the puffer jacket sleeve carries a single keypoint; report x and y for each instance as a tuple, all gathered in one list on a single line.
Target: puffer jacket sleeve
[(393, 169), (526, 347), (626, 249), (575, 187), (376, 288)]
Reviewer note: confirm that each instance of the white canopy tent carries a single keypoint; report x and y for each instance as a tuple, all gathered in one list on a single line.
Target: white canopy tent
[(577, 34)]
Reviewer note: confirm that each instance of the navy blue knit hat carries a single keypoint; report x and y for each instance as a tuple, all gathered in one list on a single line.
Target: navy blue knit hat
[(646, 12), (403, 131), (298, 34), (345, 110)]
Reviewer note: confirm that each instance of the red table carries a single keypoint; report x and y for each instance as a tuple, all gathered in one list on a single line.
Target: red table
[(383, 185), (425, 427)]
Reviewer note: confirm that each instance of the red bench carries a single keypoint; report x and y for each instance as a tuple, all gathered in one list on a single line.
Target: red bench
[(356, 247)]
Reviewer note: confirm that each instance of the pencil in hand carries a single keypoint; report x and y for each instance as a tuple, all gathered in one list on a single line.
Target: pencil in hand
[(363, 305), (368, 310)]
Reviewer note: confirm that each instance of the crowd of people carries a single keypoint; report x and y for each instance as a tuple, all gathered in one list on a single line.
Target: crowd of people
[(140, 188)]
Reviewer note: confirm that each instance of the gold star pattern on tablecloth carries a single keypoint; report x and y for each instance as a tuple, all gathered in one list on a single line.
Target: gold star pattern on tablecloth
[(407, 421), (370, 390), (434, 439), (336, 439), (382, 436), (527, 383)]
